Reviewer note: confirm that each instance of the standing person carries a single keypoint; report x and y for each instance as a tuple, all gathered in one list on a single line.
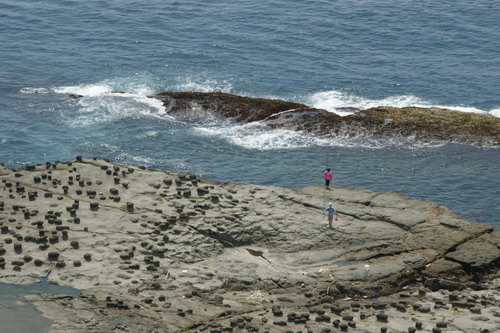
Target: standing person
[(331, 212), (328, 177)]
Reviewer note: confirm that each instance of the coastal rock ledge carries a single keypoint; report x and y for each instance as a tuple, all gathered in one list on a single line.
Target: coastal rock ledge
[(415, 123), (156, 251)]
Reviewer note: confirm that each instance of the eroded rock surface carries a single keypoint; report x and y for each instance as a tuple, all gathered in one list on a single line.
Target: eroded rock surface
[(163, 252)]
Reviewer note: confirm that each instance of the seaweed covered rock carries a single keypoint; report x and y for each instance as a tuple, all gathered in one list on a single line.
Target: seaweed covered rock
[(244, 109), (416, 123)]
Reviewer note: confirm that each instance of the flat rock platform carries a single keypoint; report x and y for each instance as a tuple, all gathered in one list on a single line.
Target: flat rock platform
[(154, 251)]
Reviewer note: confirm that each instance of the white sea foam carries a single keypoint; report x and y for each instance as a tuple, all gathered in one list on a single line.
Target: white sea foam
[(34, 90), (111, 107), (495, 112), (101, 102), (151, 134), (203, 85), (336, 101), (135, 159), (260, 137), (85, 90)]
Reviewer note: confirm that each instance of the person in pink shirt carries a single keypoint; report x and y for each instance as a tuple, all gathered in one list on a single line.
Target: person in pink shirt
[(328, 177)]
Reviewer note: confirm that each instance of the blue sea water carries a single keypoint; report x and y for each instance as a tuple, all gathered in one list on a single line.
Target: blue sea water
[(328, 54)]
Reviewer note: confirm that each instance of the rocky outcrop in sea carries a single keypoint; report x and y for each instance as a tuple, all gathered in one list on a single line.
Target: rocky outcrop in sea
[(416, 123), (163, 252)]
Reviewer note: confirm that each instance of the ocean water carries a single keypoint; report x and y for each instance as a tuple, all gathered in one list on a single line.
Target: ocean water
[(328, 54)]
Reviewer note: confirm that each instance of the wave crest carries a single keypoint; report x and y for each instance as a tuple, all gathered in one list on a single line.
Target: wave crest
[(257, 136), (339, 102)]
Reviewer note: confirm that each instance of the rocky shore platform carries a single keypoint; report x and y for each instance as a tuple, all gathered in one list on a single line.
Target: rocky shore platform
[(154, 251), (415, 123)]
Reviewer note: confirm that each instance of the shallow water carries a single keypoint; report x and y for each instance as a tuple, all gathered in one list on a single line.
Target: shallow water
[(17, 315)]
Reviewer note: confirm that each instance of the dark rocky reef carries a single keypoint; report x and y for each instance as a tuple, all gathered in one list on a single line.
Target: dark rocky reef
[(243, 109), (421, 124)]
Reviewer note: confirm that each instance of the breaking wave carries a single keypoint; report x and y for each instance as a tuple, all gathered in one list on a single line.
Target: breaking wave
[(114, 99), (338, 101), (202, 85), (257, 136), (106, 101)]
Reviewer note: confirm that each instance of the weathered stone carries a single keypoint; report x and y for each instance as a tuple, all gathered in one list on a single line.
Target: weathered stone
[(382, 317), (191, 249), (441, 324), (476, 254)]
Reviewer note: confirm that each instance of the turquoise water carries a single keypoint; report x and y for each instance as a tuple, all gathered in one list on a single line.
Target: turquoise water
[(328, 54)]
